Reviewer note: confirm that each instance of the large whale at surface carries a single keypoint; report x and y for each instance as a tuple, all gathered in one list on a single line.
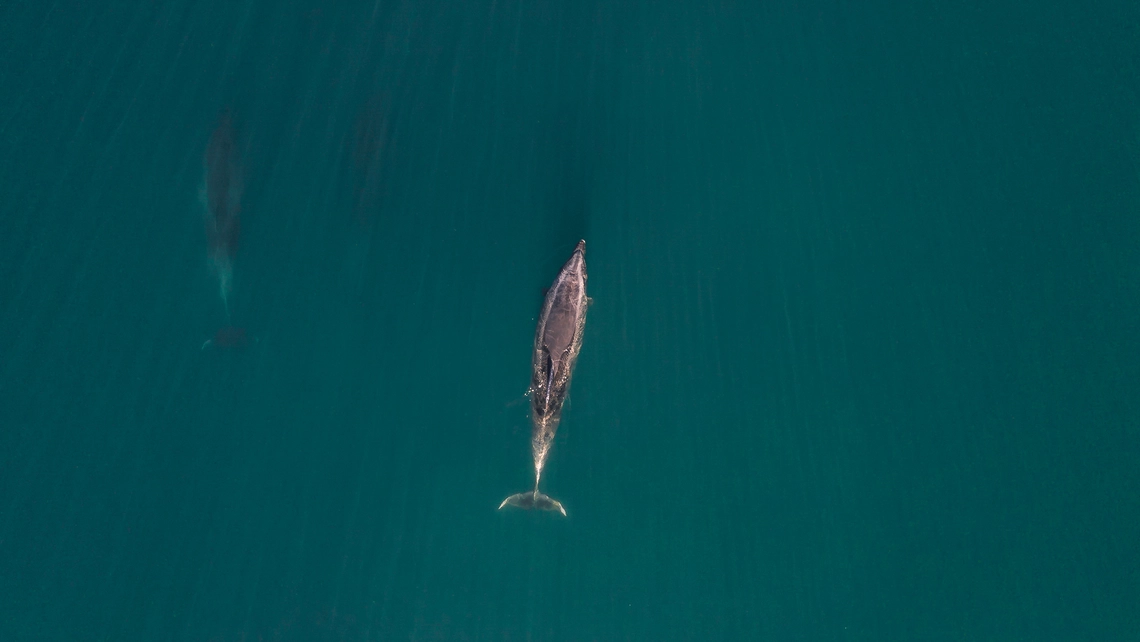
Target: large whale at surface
[(557, 341)]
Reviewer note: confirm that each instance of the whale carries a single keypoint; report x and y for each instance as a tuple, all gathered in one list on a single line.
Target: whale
[(221, 193), (557, 341)]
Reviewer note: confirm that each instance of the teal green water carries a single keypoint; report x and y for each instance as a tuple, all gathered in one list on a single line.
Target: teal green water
[(862, 363)]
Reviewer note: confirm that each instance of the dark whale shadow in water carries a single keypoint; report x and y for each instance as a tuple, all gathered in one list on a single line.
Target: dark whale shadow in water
[(370, 148)]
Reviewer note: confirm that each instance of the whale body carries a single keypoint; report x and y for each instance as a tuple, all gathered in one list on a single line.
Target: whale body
[(557, 341)]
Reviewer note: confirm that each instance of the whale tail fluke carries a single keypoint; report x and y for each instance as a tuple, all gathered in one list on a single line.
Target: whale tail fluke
[(533, 499)]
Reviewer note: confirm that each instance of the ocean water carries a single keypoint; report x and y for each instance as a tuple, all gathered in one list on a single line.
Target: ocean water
[(862, 362)]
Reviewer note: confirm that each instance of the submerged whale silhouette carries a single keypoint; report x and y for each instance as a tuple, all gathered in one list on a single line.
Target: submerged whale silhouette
[(221, 193)]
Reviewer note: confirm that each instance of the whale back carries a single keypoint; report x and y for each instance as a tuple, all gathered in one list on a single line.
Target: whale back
[(558, 337)]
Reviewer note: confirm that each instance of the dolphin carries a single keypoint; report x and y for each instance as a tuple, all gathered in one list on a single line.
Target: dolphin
[(557, 340)]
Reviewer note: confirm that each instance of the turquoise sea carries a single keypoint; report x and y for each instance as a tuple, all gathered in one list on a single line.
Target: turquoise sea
[(862, 363)]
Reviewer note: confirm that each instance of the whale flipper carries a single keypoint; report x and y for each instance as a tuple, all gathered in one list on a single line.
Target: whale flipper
[(533, 499)]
